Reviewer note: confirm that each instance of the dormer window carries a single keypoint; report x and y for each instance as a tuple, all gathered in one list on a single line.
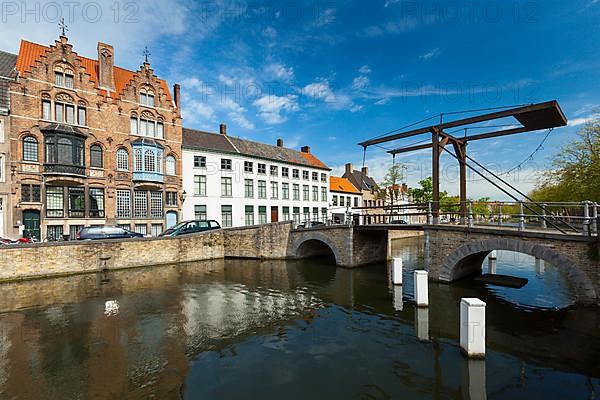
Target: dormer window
[(147, 98)]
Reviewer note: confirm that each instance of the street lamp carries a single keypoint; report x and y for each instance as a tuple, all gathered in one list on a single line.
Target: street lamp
[(183, 196)]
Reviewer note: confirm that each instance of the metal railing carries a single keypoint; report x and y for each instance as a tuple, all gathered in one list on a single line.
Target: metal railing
[(565, 217)]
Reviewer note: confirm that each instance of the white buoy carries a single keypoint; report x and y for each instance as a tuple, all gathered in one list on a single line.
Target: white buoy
[(421, 288), (472, 327), (493, 255), (492, 266), (397, 271), (540, 266), (398, 299), (422, 323)]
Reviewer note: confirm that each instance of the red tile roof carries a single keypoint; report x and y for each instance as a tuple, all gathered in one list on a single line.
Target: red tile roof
[(313, 161), (30, 52), (342, 185)]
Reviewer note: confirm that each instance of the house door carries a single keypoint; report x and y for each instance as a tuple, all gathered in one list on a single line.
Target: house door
[(171, 219), (275, 214), (31, 221)]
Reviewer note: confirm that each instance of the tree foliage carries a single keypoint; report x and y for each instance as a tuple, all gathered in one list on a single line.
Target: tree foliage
[(389, 187), (575, 173)]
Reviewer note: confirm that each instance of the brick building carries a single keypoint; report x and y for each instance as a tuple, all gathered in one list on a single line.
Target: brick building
[(91, 144), (7, 75)]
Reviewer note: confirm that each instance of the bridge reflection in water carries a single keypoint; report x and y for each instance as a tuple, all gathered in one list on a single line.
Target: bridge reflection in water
[(303, 329)]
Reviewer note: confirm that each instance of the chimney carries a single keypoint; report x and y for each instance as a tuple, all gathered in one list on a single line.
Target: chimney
[(305, 149), (223, 129), (365, 171), (177, 94), (280, 142), (349, 169), (106, 63)]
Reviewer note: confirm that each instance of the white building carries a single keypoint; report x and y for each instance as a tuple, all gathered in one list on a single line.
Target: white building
[(239, 182), (344, 198)]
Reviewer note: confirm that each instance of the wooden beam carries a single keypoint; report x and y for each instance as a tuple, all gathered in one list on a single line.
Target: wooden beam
[(490, 135), (435, 168), (550, 106), (411, 148), (461, 153)]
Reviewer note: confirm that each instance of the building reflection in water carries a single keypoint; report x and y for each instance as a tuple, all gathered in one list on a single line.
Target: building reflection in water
[(169, 333)]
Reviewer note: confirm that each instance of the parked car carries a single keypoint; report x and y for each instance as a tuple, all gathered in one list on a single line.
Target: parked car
[(310, 224), (398, 222), (188, 227), (5, 241), (106, 232)]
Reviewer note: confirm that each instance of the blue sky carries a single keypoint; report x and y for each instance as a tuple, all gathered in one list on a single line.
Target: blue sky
[(330, 74)]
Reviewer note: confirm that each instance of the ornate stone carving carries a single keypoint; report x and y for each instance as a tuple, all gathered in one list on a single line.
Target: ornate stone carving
[(64, 98)]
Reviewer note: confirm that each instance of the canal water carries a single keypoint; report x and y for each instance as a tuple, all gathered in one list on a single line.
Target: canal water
[(292, 330)]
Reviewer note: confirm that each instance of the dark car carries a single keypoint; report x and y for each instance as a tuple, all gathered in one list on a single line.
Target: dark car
[(310, 224), (399, 222), (106, 232), (188, 227)]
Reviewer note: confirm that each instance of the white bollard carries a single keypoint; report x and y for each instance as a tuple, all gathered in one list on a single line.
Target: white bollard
[(398, 299), (540, 266), (421, 288), (472, 327), (493, 255), (397, 271), (422, 323), (492, 266)]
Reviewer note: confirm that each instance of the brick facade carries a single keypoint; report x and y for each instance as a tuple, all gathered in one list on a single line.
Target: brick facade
[(86, 167)]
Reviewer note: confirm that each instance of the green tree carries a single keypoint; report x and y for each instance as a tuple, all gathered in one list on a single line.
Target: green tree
[(389, 186), (424, 193), (575, 173)]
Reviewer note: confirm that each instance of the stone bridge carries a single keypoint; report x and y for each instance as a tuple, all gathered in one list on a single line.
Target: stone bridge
[(455, 252), (452, 252)]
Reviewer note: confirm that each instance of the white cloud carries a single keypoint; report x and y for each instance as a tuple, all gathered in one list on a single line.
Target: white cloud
[(365, 69), (434, 53), (360, 82), (128, 33), (278, 71), (388, 28), (273, 109), (581, 121)]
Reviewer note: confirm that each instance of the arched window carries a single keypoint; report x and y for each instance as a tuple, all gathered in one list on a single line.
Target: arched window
[(170, 165), (122, 160), (30, 149), (96, 156), (138, 160), (149, 161)]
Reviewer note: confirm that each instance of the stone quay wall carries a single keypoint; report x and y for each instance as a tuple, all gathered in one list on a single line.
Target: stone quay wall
[(45, 260)]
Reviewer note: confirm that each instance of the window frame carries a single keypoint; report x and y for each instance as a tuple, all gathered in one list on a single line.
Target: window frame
[(96, 150)]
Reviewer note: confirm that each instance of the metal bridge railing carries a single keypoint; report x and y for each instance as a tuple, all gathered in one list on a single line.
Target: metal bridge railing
[(564, 217)]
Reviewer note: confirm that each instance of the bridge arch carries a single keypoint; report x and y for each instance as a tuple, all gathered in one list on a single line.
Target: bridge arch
[(314, 244), (468, 259)]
